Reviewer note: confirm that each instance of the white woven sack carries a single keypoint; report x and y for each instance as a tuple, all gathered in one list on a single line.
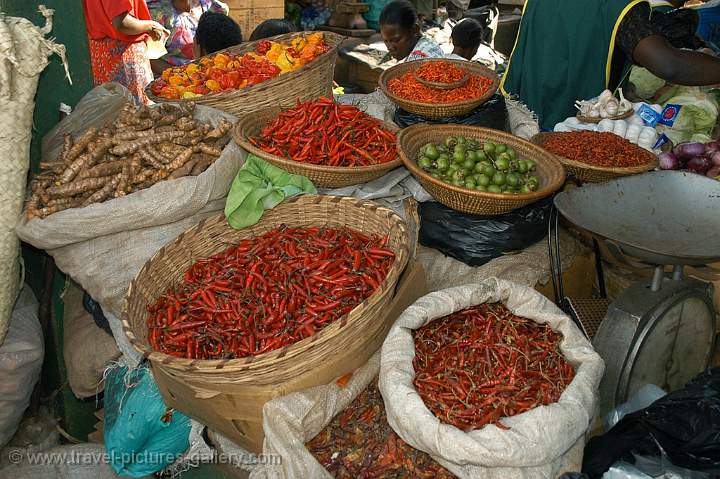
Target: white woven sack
[(538, 440), (24, 53), (290, 421)]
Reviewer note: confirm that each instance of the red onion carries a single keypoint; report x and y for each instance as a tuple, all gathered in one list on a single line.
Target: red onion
[(715, 158), (712, 147), (668, 161), (713, 172), (699, 164), (687, 151)]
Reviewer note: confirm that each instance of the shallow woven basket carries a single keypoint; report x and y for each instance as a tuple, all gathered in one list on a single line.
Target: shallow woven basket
[(309, 82), (591, 173), (438, 110), (322, 176), (165, 270), (549, 170)]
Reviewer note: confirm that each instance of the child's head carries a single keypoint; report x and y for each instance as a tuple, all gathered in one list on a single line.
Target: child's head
[(466, 38), (270, 28), (216, 31), (399, 28)]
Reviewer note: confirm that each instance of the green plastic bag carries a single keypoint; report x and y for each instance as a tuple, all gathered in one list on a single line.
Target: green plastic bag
[(259, 186)]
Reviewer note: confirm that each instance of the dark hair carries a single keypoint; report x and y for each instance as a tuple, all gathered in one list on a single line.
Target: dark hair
[(467, 33), (217, 31), (399, 12), (272, 27)]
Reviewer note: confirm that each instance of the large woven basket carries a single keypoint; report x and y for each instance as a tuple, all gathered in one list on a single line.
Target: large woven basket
[(307, 83), (438, 110), (165, 269), (549, 170), (592, 173), (322, 176)]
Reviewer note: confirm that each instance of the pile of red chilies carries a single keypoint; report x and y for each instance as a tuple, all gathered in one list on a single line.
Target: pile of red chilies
[(483, 363), (268, 292), (323, 132)]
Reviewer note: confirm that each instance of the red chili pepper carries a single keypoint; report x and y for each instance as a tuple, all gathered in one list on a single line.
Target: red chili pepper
[(407, 86), (597, 148), (267, 292)]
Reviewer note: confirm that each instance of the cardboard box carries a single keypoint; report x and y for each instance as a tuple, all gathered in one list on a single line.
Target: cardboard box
[(249, 18), (236, 412)]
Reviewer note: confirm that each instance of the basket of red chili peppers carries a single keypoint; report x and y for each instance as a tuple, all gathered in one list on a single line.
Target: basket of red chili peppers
[(333, 145), (255, 75), (595, 157), (409, 85), (236, 316)]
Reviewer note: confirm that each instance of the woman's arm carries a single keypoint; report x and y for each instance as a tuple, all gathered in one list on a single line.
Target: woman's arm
[(681, 67), (129, 25)]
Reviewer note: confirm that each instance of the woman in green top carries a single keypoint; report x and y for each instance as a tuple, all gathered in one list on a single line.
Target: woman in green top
[(568, 50)]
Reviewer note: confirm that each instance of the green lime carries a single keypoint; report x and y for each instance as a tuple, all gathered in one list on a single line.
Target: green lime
[(499, 179), (450, 141), (500, 148), (425, 163), (442, 164), (461, 140), (458, 156), (489, 148), (490, 171), (484, 180), (431, 152), (511, 153), (481, 188), (530, 165), (458, 183), (522, 166), (512, 180), (458, 175), (442, 148), (533, 183), (524, 189), (494, 189), (479, 167), (502, 164), (469, 164), (470, 183), (472, 155)]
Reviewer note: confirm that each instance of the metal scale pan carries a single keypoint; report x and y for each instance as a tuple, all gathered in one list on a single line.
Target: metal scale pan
[(662, 331)]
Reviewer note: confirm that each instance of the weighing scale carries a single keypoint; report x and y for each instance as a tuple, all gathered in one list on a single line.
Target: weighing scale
[(660, 331)]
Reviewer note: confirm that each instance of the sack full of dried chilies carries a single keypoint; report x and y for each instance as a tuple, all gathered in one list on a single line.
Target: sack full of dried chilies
[(469, 368)]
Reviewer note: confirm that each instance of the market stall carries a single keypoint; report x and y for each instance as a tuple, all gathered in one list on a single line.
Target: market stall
[(376, 285)]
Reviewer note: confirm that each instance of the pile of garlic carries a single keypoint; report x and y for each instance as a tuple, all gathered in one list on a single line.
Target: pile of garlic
[(605, 106), (632, 129)]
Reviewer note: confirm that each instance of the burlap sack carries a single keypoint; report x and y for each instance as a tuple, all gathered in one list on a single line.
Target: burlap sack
[(104, 245), (538, 440), (87, 348), (24, 53)]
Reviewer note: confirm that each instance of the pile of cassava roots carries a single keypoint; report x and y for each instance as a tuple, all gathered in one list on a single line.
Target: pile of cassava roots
[(143, 146)]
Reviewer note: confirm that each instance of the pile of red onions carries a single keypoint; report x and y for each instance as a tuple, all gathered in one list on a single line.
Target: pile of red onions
[(700, 158)]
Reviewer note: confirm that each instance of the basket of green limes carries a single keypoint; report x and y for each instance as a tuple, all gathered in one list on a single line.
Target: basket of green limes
[(479, 170)]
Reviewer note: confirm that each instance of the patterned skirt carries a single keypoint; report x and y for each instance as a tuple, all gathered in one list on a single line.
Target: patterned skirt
[(125, 63)]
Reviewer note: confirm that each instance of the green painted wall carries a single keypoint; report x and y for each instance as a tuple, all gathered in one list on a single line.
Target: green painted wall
[(53, 88)]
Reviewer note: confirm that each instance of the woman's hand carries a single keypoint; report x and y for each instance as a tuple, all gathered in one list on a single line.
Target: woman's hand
[(157, 31)]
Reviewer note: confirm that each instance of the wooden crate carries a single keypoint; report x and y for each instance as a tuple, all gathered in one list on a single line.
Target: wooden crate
[(250, 13)]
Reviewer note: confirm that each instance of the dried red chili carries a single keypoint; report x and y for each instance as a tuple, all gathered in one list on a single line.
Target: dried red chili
[(483, 363), (597, 148), (406, 86), (323, 132), (359, 444), (440, 72), (267, 292)]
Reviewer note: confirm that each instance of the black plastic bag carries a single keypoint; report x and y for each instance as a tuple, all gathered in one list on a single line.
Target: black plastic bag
[(491, 114), (475, 240), (94, 309), (685, 424)]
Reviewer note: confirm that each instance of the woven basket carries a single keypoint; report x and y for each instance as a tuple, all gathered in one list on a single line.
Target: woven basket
[(438, 110), (549, 170), (322, 176), (165, 269), (591, 173), (306, 83)]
